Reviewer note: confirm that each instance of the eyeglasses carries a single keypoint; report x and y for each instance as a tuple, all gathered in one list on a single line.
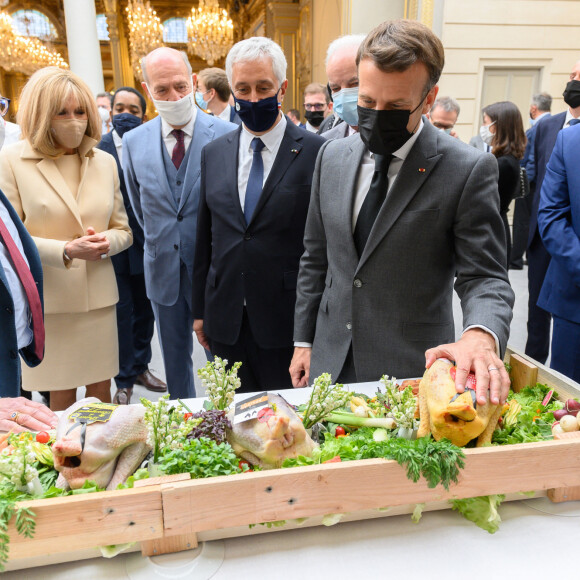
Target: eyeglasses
[(315, 106), (4, 104)]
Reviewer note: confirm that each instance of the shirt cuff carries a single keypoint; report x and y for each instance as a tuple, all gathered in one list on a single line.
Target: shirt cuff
[(303, 344), (497, 351)]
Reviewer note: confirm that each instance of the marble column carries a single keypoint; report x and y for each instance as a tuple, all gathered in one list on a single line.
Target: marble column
[(84, 50)]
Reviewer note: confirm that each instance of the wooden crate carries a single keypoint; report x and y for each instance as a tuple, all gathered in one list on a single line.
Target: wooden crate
[(172, 514)]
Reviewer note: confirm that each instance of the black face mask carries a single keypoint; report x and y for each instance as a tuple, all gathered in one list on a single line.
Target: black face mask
[(315, 118), (124, 122), (572, 94), (384, 131)]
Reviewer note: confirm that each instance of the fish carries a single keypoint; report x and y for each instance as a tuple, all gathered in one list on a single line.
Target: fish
[(271, 439), (99, 442)]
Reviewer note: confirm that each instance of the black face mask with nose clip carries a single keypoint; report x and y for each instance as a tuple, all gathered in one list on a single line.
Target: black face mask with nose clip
[(572, 94)]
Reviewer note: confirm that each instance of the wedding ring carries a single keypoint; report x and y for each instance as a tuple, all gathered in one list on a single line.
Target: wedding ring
[(103, 256), (15, 416), (492, 369)]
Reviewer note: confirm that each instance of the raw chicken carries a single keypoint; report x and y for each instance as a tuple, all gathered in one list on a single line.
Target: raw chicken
[(269, 442), (445, 414), (106, 452)]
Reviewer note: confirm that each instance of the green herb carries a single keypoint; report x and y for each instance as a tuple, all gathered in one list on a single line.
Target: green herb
[(482, 511), (142, 473), (399, 405), (201, 458), (220, 384), (324, 399)]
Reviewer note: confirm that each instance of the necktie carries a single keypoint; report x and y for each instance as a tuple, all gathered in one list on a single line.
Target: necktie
[(255, 180), (179, 149), (573, 122), (372, 203), (29, 285)]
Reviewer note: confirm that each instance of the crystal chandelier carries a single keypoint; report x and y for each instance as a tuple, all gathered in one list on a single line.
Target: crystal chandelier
[(210, 31), (24, 54), (145, 32)]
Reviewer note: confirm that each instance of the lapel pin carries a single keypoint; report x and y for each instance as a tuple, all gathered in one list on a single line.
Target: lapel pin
[(421, 170), (294, 151)]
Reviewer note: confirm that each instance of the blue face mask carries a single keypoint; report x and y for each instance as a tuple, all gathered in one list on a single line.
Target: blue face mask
[(125, 122), (259, 116), (200, 101), (345, 105)]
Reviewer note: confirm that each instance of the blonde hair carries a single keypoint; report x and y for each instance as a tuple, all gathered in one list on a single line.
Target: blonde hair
[(43, 97)]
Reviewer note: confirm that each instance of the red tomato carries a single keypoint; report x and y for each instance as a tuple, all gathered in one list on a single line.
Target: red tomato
[(42, 437), (335, 459), (243, 462), (339, 431), (187, 416)]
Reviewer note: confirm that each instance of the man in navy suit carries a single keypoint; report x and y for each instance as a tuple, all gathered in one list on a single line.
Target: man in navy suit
[(135, 321), (251, 222), (162, 165), (559, 225), (538, 343)]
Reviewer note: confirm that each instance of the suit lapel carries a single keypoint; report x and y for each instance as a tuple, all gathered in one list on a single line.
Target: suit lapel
[(203, 133), (289, 150), (229, 152), (414, 172)]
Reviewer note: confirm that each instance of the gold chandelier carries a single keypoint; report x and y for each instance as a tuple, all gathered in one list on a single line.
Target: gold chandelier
[(210, 31), (145, 32), (24, 54)]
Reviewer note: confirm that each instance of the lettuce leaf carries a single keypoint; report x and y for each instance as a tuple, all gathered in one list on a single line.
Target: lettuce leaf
[(482, 511)]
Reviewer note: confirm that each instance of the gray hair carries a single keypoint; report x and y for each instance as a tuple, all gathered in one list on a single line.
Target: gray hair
[(349, 40), (448, 104), (257, 48), (182, 53), (543, 101)]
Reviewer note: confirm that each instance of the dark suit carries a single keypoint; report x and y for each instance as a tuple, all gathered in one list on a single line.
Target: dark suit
[(559, 225), (9, 360), (135, 320), (234, 117), (255, 263), (538, 343)]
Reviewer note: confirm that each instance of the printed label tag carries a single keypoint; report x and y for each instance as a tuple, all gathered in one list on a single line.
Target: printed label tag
[(252, 408), (93, 413)]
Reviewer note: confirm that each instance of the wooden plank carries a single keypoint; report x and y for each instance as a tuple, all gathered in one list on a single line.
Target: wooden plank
[(85, 521), (523, 373), (169, 545), (561, 494), (162, 479), (244, 499)]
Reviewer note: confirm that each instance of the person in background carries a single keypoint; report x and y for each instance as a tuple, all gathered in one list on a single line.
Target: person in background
[(504, 133), (212, 94), (539, 320), (11, 131), (21, 308), (135, 321), (400, 193), (443, 115), (18, 414), (342, 74), (162, 164), (251, 220), (67, 194), (317, 105), (540, 108), (104, 104), (294, 116), (477, 142), (559, 224)]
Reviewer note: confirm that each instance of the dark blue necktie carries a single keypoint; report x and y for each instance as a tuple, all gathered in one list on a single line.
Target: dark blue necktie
[(573, 122), (255, 180)]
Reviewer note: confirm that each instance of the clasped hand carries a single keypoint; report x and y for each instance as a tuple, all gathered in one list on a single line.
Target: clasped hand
[(89, 247)]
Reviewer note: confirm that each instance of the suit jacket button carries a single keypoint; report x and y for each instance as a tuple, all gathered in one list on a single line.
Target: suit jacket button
[(348, 326), (248, 237), (178, 182), (8, 309), (179, 217), (357, 283), (175, 247)]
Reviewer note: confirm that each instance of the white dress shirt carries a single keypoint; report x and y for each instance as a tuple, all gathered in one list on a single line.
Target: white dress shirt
[(225, 114), (569, 117), (21, 311), (272, 140), (170, 141), (118, 142)]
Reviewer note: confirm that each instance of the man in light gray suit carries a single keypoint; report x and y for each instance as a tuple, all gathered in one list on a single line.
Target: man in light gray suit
[(396, 213), (162, 165)]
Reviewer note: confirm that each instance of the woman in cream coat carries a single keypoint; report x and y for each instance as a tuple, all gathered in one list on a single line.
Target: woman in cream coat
[(67, 194)]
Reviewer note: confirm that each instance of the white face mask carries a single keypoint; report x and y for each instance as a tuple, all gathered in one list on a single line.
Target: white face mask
[(485, 134), (104, 114), (176, 113), (69, 133)]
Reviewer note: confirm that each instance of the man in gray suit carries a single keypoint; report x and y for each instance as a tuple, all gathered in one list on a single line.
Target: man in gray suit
[(162, 165), (396, 212)]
